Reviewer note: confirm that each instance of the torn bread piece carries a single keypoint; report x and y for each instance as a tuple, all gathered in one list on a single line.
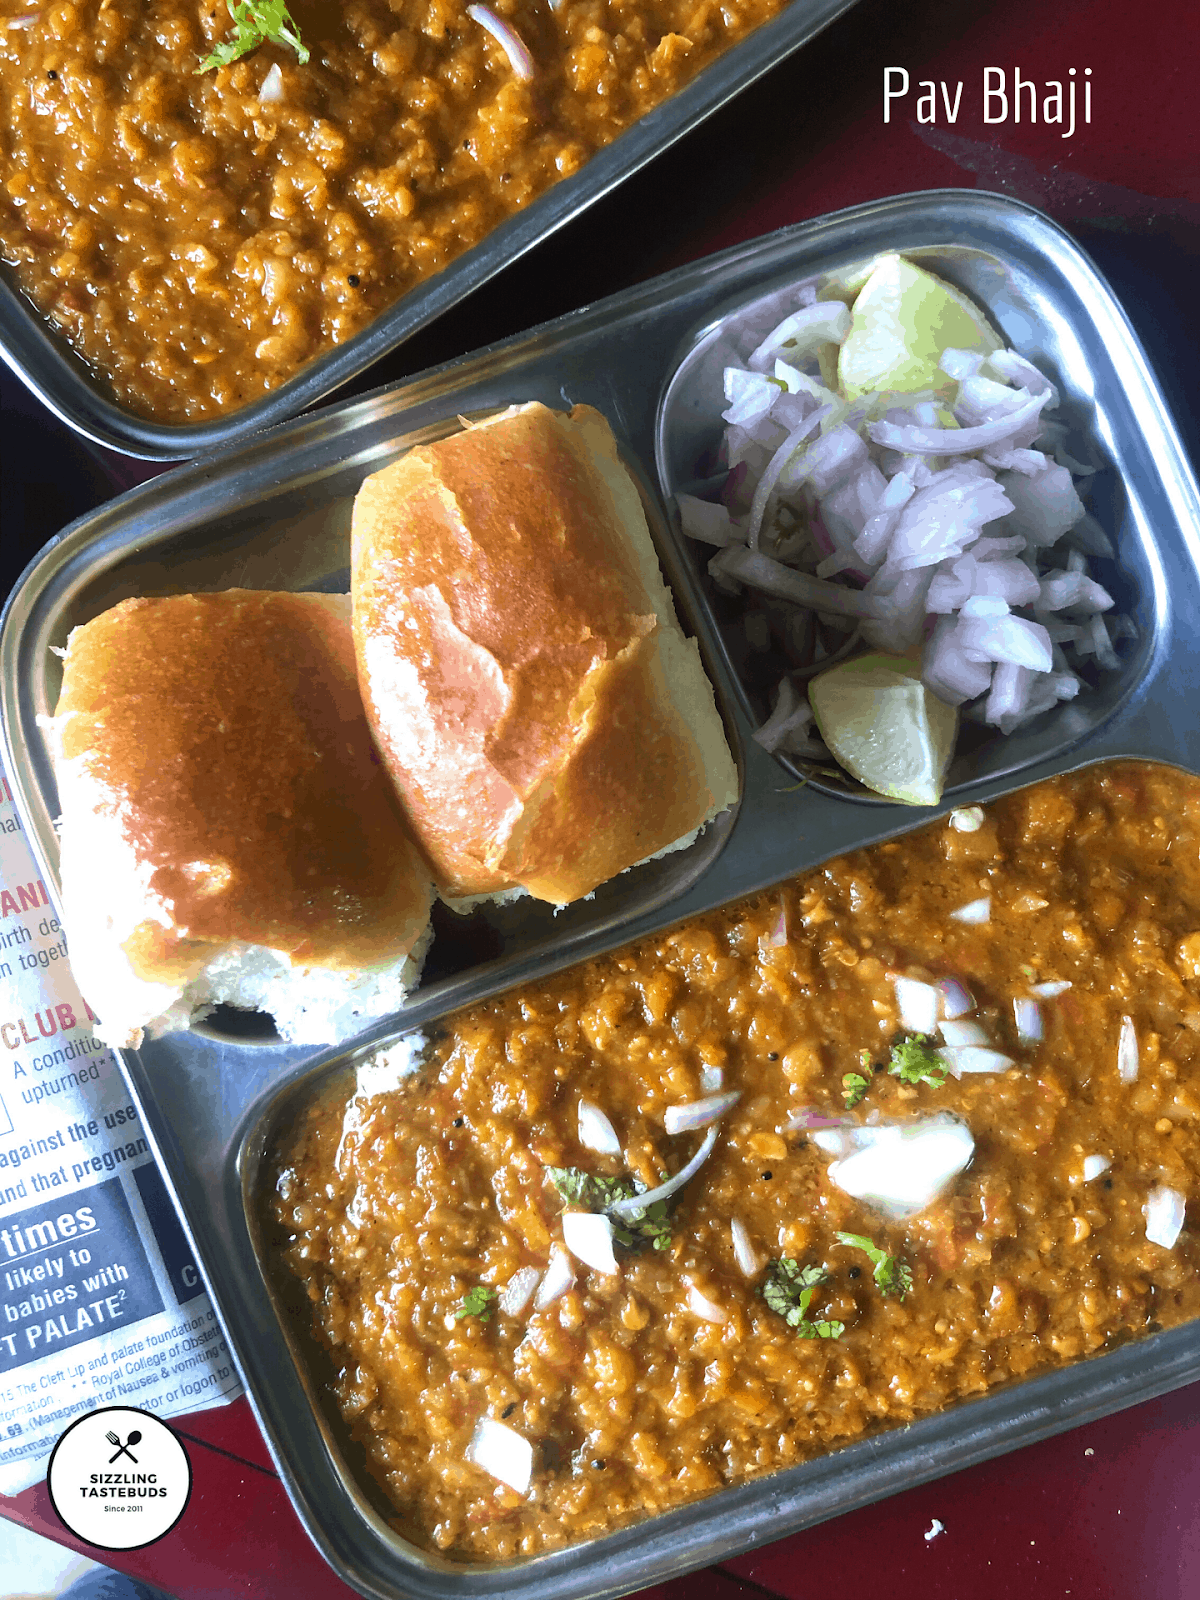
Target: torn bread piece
[(228, 833), (544, 718)]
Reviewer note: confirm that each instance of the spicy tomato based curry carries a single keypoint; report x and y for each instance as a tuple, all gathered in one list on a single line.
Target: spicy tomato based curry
[(198, 237), (417, 1220)]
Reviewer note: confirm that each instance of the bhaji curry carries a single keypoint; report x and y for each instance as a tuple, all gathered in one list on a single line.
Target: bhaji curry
[(199, 236), (509, 1397)]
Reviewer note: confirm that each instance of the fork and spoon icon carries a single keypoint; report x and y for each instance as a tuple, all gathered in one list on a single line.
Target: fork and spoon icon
[(123, 1449)]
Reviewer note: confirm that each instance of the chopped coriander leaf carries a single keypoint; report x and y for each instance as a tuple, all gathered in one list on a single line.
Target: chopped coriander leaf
[(915, 1060), (585, 1189), (651, 1226), (854, 1087), (477, 1302), (789, 1289), (256, 22), (892, 1275)]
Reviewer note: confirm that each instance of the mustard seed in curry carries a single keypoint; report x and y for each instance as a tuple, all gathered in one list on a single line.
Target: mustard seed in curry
[(411, 1219), (199, 236)]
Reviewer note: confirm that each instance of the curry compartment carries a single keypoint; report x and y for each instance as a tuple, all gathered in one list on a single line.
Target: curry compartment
[(666, 1375), (311, 217), (275, 514)]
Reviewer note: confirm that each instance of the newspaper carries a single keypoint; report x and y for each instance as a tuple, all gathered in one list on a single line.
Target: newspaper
[(100, 1300)]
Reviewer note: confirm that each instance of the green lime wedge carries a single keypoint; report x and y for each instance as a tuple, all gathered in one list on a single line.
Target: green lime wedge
[(885, 727), (902, 320)]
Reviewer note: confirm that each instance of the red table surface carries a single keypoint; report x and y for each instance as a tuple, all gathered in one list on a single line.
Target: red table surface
[(1112, 1509)]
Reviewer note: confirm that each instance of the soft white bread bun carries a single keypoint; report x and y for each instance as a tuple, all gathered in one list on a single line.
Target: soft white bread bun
[(228, 834), (536, 702)]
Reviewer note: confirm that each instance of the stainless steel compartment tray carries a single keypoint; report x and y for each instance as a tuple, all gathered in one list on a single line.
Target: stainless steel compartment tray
[(209, 1105), (64, 382)]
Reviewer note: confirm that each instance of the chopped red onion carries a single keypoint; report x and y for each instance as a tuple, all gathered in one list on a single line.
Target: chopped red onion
[(1090, 536), (778, 935), (596, 1131), (918, 1004), (1106, 656), (772, 473), (956, 1000), (982, 399), (1072, 591), (588, 1235), (699, 1113), (871, 544), (1093, 1166), (988, 634), (664, 1191), (801, 386), (947, 669), (959, 441), (967, 819), (842, 1140), (906, 595), (711, 1079), (271, 88), (790, 719), (1164, 1212), (975, 912), (904, 1167), (970, 1058), (1014, 369), (701, 519), (1127, 1052), (509, 40), (1049, 991), (1028, 1016), (749, 1262), (559, 1277), (1011, 693), (963, 1033), (802, 334), (706, 1309), (760, 572), (944, 517), (518, 1291), (751, 396), (831, 459), (1044, 507), (502, 1453), (960, 364), (807, 1119)]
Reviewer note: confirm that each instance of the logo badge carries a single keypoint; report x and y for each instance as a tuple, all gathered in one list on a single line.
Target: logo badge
[(119, 1478)]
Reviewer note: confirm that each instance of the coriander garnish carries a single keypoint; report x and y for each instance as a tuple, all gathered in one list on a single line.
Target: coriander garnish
[(478, 1302), (914, 1060), (651, 1226), (789, 1289), (256, 22), (892, 1275), (854, 1087)]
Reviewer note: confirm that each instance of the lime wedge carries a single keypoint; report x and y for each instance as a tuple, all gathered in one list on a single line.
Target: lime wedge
[(885, 727), (902, 320)]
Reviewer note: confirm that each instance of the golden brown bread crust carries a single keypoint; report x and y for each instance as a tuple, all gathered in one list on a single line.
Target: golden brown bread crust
[(223, 735), (511, 643)]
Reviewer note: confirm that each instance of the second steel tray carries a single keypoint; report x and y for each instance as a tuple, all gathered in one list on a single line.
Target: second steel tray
[(64, 382), (275, 514)]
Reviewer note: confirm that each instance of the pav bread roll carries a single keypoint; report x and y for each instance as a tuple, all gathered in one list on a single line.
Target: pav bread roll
[(228, 834), (536, 702)]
